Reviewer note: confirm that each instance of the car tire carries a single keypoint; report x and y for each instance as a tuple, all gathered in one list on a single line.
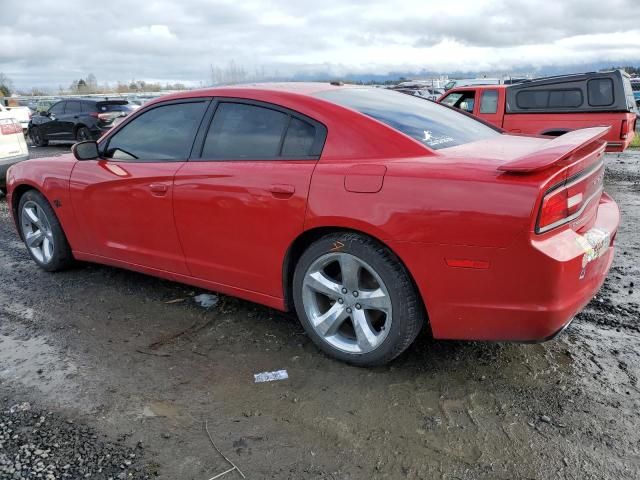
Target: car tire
[(37, 137), (42, 233), (367, 315), (83, 134)]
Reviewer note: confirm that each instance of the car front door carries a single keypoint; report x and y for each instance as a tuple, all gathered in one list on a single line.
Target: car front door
[(50, 125), (124, 200), (241, 200)]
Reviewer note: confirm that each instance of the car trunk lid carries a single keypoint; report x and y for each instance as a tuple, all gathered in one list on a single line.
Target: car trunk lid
[(568, 170), (575, 167)]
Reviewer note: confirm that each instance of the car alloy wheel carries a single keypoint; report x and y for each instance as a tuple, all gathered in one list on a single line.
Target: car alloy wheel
[(37, 232), (83, 134), (347, 303)]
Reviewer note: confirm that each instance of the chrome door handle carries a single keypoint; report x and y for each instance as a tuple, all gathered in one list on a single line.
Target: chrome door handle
[(159, 188), (282, 191)]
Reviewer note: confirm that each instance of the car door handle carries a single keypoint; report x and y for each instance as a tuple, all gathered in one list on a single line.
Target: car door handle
[(282, 191), (158, 189)]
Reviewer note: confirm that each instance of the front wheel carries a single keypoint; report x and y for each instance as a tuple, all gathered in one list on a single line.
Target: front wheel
[(37, 137), (42, 233), (356, 300)]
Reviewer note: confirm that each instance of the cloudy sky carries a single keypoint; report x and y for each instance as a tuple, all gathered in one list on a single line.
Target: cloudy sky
[(52, 42)]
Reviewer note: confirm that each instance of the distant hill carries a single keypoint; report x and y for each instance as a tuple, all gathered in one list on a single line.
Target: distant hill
[(426, 73)]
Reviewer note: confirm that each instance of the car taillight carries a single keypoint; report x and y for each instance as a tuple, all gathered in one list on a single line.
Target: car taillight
[(567, 201), (102, 116), (624, 130), (9, 126)]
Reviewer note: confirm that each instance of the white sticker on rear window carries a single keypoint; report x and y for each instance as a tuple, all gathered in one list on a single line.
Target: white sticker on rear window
[(433, 140)]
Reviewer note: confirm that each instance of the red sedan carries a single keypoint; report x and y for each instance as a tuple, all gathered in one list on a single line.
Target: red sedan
[(369, 212)]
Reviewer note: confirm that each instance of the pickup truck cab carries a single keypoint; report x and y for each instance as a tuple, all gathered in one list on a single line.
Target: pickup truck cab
[(556, 105)]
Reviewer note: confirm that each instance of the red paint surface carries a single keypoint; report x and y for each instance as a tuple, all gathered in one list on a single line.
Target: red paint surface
[(228, 225)]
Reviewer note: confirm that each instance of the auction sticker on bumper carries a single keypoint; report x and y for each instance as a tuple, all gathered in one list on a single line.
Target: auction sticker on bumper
[(595, 244)]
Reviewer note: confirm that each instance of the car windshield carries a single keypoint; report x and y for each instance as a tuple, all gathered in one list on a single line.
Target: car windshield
[(431, 124)]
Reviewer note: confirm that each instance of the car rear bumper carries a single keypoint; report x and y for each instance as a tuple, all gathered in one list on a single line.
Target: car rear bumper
[(527, 292), (5, 163)]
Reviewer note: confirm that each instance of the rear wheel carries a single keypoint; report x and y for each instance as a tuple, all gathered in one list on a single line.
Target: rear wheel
[(356, 300), (42, 233), (37, 137), (83, 134)]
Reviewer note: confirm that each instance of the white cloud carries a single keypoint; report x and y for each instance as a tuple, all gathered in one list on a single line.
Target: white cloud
[(52, 42)]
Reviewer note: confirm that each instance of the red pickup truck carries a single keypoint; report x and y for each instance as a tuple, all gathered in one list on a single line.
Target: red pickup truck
[(555, 105)]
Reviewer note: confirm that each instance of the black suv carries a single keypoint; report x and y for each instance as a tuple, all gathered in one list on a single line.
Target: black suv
[(77, 119)]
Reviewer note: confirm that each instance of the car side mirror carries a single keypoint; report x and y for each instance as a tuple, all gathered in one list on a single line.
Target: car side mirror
[(87, 150), (44, 113)]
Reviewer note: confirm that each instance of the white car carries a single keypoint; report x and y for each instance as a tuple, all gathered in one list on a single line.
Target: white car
[(13, 147), (22, 114)]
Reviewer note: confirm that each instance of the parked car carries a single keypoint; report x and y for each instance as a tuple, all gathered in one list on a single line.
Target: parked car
[(556, 105), (76, 119), (367, 211), (418, 88), (13, 148), (467, 82), (23, 115)]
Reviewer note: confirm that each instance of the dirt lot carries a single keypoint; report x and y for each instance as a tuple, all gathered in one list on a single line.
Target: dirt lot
[(79, 348)]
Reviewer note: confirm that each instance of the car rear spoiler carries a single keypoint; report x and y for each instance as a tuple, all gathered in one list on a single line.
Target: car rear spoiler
[(555, 150)]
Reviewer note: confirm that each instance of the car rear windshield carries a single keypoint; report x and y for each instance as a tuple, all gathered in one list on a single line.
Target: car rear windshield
[(113, 107), (431, 124)]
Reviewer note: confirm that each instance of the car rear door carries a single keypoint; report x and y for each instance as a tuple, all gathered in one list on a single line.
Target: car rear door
[(124, 200), (67, 121), (241, 200)]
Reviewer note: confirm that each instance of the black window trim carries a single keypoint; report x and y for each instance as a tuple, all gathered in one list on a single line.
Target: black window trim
[(316, 148), (103, 146), (613, 93), (549, 91)]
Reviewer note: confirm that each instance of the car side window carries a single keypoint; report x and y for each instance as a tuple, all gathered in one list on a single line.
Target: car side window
[(299, 139), (451, 99), (58, 108), (72, 107), (88, 107), (242, 131), (600, 92), (467, 102), (163, 133), (489, 102)]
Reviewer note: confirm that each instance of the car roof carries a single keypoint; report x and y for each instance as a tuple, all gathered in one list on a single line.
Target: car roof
[(476, 87), (287, 88)]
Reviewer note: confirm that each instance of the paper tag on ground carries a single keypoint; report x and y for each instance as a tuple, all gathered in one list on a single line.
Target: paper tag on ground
[(270, 376)]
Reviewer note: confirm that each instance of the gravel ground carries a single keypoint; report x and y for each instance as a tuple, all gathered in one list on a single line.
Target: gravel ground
[(39, 444), (129, 358)]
